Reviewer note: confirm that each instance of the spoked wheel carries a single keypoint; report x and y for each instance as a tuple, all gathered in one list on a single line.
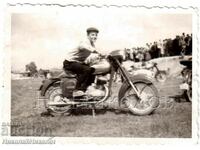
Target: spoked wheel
[(161, 76), (54, 95), (147, 102)]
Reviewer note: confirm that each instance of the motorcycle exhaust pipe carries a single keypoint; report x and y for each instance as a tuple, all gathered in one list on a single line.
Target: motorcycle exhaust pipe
[(69, 103)]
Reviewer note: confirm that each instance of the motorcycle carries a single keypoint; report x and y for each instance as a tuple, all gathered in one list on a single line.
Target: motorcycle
[(187, 75), (150, 69), (137, 93)]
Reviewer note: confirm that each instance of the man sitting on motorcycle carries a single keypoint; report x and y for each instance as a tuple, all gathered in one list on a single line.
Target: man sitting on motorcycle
[(79, 61)]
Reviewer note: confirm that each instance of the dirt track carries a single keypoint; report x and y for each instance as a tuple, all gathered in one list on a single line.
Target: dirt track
[(171, 119)]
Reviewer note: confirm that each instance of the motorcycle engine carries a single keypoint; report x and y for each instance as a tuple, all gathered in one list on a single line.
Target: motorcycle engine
[(95, 90)]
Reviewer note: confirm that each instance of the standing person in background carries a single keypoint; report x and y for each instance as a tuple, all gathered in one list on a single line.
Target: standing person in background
[(165, 41), (148, 46), (147, 55), (183, 44), (161, 48), (126, 54), (131, 54), (188, 42), (154, 50), (176, 46)]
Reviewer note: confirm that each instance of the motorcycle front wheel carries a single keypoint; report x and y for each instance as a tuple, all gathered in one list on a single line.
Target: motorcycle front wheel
[(188, 93), (147, 102)]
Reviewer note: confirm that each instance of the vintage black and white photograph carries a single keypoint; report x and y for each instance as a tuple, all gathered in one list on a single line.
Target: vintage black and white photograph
[(101, 72)]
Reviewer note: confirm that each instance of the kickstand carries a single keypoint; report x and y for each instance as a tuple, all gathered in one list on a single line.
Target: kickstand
[(93, 111)]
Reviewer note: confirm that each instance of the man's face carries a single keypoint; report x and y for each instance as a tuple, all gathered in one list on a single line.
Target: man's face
[(92, 36)]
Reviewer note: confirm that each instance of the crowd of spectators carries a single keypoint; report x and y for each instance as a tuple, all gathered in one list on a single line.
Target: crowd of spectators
[(180, 45)]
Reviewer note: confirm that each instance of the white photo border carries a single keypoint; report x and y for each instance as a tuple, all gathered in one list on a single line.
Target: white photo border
[(53, 7)]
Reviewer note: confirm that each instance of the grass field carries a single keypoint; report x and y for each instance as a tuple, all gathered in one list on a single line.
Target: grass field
[(171, 120)]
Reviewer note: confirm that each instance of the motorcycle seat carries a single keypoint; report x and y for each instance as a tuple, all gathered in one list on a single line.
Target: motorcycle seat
[(66, 74), (69, 74)]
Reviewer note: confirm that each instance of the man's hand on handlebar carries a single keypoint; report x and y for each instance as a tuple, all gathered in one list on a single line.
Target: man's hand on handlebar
[(93, 58)]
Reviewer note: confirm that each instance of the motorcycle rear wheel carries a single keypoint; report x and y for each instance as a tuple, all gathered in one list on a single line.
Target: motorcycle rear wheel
[(149, 99), (54, 94), (161, 76)]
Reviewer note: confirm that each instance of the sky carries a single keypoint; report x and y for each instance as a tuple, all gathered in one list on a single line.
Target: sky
[(45, 38)]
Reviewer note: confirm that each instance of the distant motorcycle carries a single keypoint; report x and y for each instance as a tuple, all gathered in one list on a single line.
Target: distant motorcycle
[(137, 92), (187, 75), (151, 70)]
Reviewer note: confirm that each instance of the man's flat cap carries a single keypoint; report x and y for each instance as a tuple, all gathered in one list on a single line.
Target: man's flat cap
[(92, 29)]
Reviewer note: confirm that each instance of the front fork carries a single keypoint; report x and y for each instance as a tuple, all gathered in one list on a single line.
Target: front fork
[(126, 76)]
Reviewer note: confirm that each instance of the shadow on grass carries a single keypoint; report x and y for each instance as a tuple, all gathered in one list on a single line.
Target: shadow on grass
[(87, 111)]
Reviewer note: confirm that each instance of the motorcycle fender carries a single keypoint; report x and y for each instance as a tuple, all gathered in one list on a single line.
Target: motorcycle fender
[(46, 84), (40, 87), (134, 79), (145, 72)]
